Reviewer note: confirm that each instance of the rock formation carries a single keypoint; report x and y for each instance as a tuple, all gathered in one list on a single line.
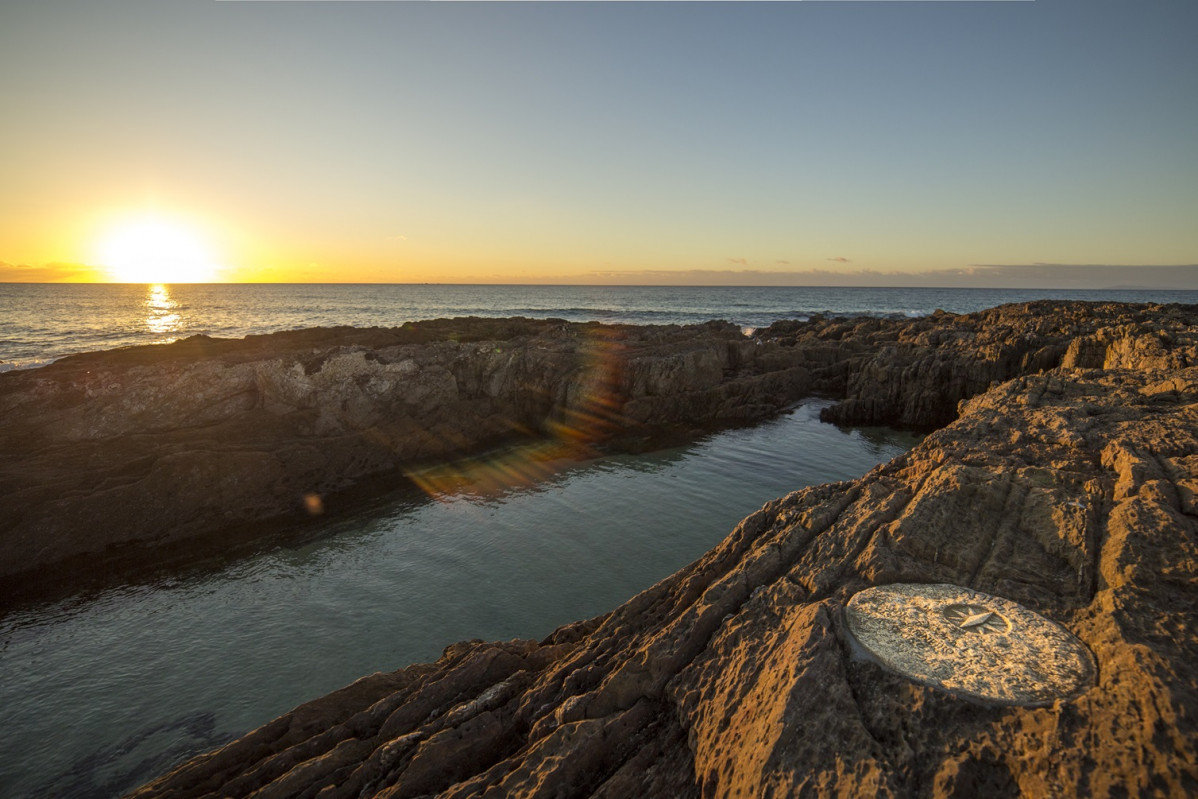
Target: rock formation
[(150, 455), (1070, 487), (131, 456)]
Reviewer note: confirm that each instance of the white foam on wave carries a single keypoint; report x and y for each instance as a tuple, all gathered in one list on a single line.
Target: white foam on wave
[(12, 366)]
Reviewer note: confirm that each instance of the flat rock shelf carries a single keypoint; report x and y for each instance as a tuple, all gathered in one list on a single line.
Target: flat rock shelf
[(969, 643)]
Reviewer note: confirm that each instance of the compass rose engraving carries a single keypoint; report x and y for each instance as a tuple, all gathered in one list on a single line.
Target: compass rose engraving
[(976, 618), (968, 643)]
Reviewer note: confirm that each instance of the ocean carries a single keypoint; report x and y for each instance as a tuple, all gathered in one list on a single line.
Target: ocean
[(103, 691), (42, 322)]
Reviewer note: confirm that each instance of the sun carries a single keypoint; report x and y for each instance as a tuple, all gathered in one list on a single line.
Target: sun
[(155, 250)]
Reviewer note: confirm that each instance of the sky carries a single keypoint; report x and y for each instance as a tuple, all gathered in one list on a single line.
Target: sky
[(1021, 143)]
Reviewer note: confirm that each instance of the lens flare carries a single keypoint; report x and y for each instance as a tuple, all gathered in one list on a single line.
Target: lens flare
[(592, 411)]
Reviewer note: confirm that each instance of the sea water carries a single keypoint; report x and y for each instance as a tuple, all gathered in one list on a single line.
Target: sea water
[(42, 322)]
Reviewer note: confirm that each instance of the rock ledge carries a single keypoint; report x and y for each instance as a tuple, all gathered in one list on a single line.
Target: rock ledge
[(1068, 483)]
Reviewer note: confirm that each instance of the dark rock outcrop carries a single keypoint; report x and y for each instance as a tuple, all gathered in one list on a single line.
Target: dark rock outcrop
[(1073, 491), (914, 372), (150, 455), (113, 458)]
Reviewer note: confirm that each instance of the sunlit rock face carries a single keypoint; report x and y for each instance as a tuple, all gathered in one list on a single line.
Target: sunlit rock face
[(1070, 492)]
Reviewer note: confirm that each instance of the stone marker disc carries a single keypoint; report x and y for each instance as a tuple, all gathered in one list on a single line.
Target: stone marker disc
[(969, 643)]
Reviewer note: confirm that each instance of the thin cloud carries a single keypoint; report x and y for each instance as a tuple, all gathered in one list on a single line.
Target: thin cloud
[(741, 261), (994, 276), (1085, 276), (46, 273), (839, 259)]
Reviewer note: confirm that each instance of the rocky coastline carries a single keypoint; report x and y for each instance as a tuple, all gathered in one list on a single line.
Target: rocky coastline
[(128, 459), (1062, 475)]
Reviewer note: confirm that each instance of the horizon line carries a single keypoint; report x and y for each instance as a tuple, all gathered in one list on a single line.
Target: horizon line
[(591, 285)]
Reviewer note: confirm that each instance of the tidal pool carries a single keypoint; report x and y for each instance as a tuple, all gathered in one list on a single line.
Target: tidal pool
[(101, 693)]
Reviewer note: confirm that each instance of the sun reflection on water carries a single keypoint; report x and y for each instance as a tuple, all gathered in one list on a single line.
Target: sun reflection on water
[(162, 315)]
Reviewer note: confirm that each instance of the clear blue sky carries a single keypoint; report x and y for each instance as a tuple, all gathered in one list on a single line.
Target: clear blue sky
[(593, 142)]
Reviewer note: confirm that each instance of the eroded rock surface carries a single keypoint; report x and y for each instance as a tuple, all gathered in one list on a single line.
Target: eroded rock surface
[(135, 456), (1073, 492), (114, 458)]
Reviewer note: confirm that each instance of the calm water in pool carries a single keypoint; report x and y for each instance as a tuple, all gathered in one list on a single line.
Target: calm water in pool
[(98, 695)]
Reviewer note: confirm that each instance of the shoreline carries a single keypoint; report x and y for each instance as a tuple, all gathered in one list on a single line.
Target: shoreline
[(49, 321), (1070, 439), (186, 442), (182, 443), (1069, 488)]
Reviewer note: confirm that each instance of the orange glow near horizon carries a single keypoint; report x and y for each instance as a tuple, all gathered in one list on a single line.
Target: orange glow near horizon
[(155, 249)]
